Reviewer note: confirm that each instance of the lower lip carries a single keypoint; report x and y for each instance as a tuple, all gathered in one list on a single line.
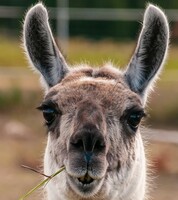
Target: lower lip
[(83, 187)]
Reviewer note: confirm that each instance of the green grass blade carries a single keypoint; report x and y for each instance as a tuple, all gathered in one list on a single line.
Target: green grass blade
[(41, 184)]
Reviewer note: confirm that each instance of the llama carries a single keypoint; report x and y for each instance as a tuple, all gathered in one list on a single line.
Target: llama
[(93, 115)]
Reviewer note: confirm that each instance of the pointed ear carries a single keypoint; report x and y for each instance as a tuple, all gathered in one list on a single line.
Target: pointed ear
[(41, 48), (150, 52)]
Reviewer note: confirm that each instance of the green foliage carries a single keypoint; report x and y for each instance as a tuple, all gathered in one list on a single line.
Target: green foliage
[(26, 3), (10, 98), (11, 52), (92, 29), (98, 4), (117, 30)]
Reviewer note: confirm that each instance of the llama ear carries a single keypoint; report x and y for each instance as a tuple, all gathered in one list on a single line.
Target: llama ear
[(150, 52), (40, 46)]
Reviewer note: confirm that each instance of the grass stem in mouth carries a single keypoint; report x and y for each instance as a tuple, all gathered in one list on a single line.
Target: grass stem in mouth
[(34, 170), (41, 184)]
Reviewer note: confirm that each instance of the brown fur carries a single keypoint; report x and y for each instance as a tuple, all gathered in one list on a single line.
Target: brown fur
[(93, 115)]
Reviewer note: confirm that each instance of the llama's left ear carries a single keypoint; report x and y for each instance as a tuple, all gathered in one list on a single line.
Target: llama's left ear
[(150, 52), (41, 48)]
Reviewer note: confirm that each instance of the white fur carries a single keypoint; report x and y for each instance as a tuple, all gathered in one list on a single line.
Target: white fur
[(133, 187)]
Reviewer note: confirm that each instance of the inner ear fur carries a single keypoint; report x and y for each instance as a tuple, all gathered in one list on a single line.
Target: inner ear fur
[(151, 51), (41, 48)]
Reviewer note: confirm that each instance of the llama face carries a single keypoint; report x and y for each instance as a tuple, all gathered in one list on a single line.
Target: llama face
[(93, 115)]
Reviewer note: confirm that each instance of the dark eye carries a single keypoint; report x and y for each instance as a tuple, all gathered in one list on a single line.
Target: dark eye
[(50, 111), (49, 115), (134, 119)]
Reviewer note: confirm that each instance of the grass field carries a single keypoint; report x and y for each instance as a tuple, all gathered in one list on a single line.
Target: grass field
[(80, 50), (164, 110)]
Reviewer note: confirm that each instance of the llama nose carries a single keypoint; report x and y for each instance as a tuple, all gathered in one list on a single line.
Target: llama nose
[(87, 156), (89, 142)]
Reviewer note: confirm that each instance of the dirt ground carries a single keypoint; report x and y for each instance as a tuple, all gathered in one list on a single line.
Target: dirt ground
[(21, 143)]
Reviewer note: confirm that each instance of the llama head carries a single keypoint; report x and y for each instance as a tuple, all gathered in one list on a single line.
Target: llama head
[(93, 115)]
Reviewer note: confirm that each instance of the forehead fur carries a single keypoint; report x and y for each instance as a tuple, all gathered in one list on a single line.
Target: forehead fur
[(106, 86)]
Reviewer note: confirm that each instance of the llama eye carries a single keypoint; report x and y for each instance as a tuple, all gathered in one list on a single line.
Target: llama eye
[(50, 111), (49, 114), (134, 119)]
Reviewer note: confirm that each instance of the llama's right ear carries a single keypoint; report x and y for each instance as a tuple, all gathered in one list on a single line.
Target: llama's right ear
[(41, 48)]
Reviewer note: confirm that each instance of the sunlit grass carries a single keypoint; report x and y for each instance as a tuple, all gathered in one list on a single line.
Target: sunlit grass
[(95, 53), (11, 53)]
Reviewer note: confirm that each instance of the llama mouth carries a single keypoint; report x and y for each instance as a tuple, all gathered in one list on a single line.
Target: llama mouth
[(85, 179), (85, 185)]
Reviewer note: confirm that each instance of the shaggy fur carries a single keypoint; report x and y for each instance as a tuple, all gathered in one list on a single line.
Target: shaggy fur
[(93, 115)]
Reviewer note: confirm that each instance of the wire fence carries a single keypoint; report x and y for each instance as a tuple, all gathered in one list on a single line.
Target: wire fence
[(63, 15), (112, 14)]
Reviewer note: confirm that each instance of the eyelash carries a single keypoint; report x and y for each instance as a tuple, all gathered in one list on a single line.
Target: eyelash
[(132, 118), (50, 112)]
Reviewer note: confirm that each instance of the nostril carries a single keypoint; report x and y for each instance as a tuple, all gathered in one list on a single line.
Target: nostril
[(99, 145), (77, 144)]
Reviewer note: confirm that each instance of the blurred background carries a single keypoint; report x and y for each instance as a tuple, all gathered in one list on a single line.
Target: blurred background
[(87, 31)]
